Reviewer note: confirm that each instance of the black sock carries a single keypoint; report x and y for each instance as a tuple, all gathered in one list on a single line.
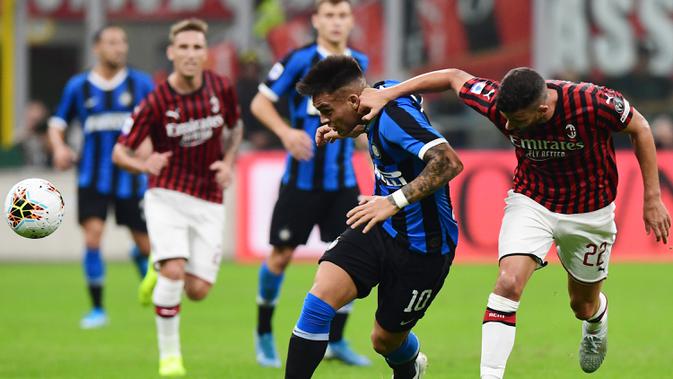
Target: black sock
[(96, 293), (336, 331), (264, 315), (405, 370), (303, 357)]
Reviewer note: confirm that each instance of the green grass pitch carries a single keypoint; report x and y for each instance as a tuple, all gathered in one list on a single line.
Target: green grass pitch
[(40, 307)]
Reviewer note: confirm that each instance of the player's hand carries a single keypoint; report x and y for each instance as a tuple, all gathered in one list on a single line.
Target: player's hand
[(298, 144), (224, 173), (63, 157), (657, 219), (370, 211), (156, 162), (325, 135), (372, 100)]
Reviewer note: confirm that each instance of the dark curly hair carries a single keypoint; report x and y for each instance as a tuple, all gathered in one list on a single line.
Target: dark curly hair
[(329, 75), (519, 89)]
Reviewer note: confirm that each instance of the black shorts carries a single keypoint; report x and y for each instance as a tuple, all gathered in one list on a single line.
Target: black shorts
[(93, 204), (297, 211), (408, 281)]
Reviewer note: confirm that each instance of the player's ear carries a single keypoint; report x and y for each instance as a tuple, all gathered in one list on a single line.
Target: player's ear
[(354, 101), (169, 52), (314, 21)]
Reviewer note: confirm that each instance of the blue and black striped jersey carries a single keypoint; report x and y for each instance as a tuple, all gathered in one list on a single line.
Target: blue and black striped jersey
[(101, 107), (398, 139), (331, 167)]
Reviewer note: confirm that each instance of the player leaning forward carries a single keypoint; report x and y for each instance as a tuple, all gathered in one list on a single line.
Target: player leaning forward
[(564, 188), (402, 239), (191, 164)]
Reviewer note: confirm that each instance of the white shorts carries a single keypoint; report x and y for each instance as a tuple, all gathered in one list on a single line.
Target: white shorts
[(583, 240), (183, 226)]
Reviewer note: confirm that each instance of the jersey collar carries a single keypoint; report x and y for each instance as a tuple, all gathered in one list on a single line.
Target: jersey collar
[(326, 53), (108, 85)]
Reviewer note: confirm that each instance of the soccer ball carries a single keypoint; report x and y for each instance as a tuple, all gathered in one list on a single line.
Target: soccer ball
[(34, 208)]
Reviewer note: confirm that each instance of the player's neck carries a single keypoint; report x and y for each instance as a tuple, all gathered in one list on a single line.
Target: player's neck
[(105, 71), (185, 84), (334, 48)]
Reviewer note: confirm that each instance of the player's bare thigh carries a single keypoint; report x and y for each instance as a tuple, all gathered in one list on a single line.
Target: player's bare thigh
[(333, 285)]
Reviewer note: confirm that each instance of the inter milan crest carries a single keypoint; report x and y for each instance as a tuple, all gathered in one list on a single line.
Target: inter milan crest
[(375, 151), (125, 99)]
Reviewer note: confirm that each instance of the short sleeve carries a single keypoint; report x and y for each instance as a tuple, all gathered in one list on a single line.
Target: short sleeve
[(283, 76), (613, 110), (408, 127), (67, 106), (137, 127), (479, 94)]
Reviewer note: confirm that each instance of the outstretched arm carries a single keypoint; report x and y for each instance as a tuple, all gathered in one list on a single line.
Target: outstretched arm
[(436, 81), (442, 165), (655, 214)]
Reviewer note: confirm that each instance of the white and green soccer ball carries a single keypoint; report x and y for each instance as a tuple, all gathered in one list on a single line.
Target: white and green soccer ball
[(34, 208)]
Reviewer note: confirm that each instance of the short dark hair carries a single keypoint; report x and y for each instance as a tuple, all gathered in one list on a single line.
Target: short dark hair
[(98, 34), (329, 75), (318, 3), (519, 89)]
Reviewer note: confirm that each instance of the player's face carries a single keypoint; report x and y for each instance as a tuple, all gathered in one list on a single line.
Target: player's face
[(525, 118), (188, 53), (112, 48), (333, 22), (338, 111)]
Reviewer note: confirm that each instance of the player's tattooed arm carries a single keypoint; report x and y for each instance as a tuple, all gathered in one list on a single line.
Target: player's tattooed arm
[(441, 165)]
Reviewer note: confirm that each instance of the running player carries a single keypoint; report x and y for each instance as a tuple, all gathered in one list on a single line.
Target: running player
[(192, 162), (319, 184), (101, 99), (402, 239), (564, 189)]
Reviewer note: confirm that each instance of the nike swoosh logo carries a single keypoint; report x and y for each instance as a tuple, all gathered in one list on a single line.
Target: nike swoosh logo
[(406, 322)]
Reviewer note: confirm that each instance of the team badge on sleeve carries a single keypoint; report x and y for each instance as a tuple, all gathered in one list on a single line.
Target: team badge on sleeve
[(477, 88), (276, 71)]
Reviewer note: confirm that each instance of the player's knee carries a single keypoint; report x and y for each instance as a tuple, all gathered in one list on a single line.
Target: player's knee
[(196, 293), (583, 310), (509, 286), (279, 259), (382, 343), (173, 269)]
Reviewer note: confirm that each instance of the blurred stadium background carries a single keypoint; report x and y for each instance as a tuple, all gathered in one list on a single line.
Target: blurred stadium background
[(623, 44)]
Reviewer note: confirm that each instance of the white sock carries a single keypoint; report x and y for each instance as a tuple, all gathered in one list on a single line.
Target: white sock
[(497, 335), (600, 319), (166, 297)]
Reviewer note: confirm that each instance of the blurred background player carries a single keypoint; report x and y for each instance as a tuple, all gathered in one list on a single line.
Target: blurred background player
[(662, 129), (564, 189), (192, 163), (403, 239), (319, 184), (101, 99)]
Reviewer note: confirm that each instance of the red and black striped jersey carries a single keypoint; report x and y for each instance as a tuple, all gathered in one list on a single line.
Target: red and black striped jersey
[(189, 126), (568, 163)]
